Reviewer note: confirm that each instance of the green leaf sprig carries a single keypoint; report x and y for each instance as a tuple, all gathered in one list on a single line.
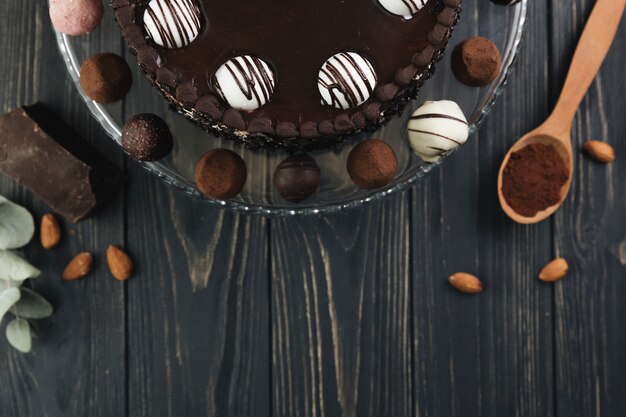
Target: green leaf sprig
[(17, 228)]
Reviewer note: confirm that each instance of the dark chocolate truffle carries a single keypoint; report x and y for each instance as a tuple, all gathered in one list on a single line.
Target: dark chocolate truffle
[(105, 77), (297, 178), (372, 164), (146, 137), (221, 173), (476, 61)]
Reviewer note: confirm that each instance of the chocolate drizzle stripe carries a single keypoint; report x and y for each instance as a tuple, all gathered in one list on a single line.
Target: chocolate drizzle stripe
[(340, 85), (258, 68), (435, 134), (177, 18), (369, 87), (243, 82), (413, 6), (437, 116), (352, 87)]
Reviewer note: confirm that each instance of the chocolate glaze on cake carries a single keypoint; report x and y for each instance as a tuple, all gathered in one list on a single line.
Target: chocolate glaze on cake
[(295, 38)]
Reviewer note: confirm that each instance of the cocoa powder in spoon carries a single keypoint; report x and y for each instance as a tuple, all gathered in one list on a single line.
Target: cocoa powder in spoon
[(533, 179)]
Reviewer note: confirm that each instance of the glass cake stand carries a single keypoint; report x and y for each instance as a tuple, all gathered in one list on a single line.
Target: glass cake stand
[(503, 25)]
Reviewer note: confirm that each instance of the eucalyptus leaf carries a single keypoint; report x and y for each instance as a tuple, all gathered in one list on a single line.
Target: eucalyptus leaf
[(8, 298), (17, 226), (32, 306), (20, 335), (14, 267), (4, 284)]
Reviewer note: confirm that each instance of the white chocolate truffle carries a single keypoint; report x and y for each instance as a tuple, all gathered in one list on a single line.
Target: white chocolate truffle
[(244, 83), (172, 23), (436, 128), (346, 80), (404, 8)]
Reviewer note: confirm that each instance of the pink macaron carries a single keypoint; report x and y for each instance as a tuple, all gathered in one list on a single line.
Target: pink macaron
[(76, 17)]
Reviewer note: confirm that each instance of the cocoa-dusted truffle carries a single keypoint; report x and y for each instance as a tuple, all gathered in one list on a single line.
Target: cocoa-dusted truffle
[(476, 61), (105, 77), (372, 164), (220, 173), (297, 178), (146, 137)]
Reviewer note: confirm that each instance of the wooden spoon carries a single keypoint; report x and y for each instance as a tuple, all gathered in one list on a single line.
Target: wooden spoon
[(592, 48)]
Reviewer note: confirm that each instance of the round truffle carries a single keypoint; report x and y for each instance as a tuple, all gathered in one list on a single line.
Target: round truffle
[(105, 77), (437, 128), (372, 164), (76, 17), (297, 178), (244, 82), (476, 61), (172, 24), (146, 137), (221, 173), (346, 80)]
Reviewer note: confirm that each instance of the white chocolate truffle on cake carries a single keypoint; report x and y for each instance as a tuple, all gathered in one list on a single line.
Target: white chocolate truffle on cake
[(244, 83), (436, 128), (404, 8), (346, 80), (172, 24)]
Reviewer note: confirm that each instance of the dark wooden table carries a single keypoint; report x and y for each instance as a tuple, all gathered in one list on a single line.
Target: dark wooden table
[(347, 315)]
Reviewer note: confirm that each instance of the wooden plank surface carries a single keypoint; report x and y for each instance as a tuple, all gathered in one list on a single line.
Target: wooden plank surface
[(198, 309), (347, 315), (341, 313), (77, 366), (590, 231), (487, 355)]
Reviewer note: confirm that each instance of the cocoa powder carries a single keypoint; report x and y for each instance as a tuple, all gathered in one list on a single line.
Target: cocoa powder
[(533, 178)]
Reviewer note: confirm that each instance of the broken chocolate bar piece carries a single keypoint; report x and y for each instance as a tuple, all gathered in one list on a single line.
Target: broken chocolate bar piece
[(43, 154)]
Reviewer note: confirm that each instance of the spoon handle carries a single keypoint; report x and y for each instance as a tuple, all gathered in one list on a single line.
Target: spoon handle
[(592, 48)]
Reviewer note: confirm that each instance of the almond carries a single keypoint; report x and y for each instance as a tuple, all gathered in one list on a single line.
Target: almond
[(50, 232), (120, 264), (78, 267), (600, 151), (466, 283), (554, 271)]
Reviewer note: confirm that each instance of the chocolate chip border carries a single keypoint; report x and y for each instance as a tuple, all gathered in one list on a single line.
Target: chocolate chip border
[(207, 111)]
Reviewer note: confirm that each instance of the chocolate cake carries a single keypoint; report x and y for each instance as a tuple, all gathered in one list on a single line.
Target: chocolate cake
[(288, 74)]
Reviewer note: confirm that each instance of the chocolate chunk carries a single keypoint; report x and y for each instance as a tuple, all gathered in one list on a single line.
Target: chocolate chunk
[(476, 61), (286, 130), (372, 164), (261, 125), (343, 124), (233, 118), (309, 130), (386, 92), (43, 154), (221, 174), (210, 105), (105, 77), (297, 178), (146, 137)]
